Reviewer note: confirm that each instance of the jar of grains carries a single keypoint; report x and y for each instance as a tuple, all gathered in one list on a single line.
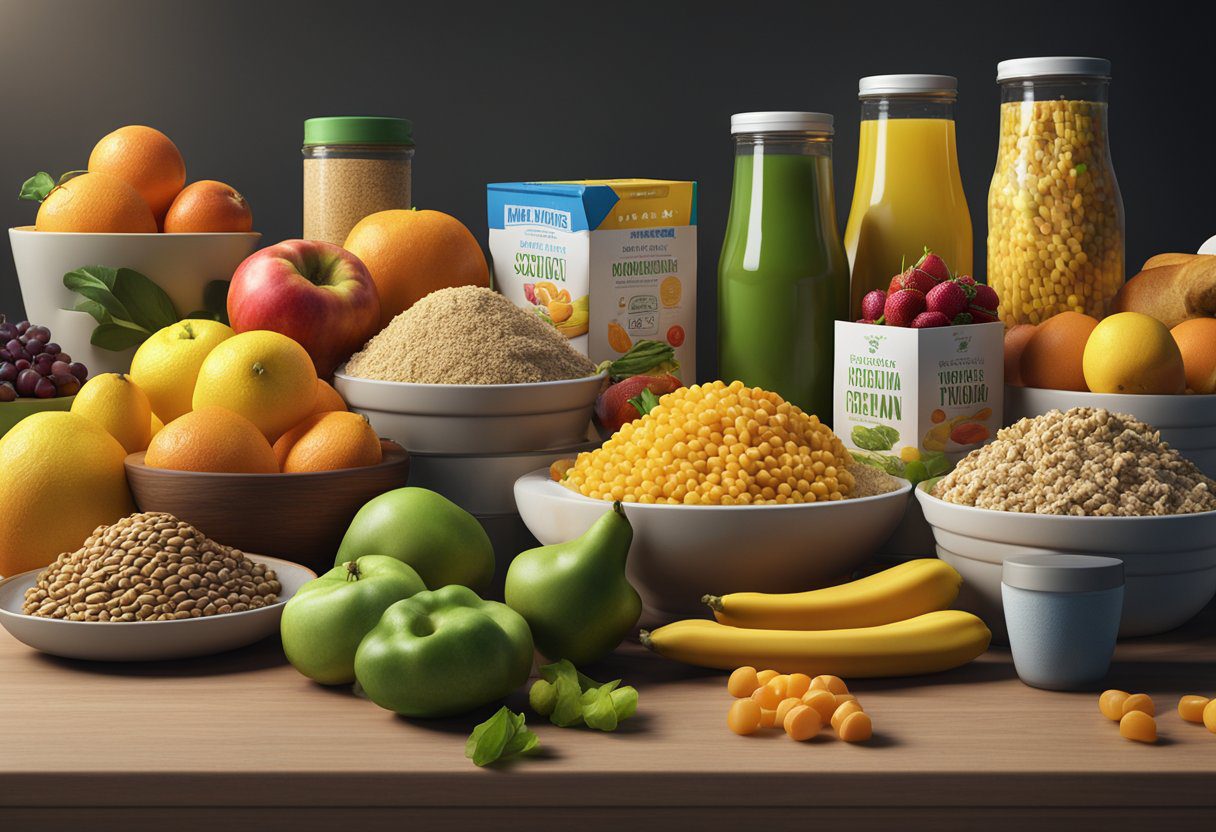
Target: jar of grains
[(353, 166), (1055, 216)]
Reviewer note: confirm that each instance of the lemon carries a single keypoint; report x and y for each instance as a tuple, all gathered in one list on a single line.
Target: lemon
[(72, 480), (116, 403), (266, 377), (1130, 352), (166, 365), (157, 426)]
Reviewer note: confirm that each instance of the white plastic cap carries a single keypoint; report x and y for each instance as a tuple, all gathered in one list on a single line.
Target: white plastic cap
[(1052, 67), (873, 85), (781, 121)]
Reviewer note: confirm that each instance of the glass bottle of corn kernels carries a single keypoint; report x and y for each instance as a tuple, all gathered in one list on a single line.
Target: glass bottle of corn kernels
[(1055, 215)]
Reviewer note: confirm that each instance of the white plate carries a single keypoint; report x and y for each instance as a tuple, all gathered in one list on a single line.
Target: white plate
[(142, 641)]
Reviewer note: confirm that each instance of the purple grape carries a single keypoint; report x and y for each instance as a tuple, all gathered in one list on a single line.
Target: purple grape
[(60, 368), (8, 393), (44, 388), (79, 370), (40, 332), (16, 349), (7, 332), (43, 364), (52, 348), (64, 357), (8, 372), (5, 355), (21, 364), (26, 381), (23, 327), (66, 384), (34, 346)]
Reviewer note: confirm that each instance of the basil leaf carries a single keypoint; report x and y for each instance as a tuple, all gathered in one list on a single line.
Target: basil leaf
[(889, 434), (149, 305), (522, 740), (563, 670), (117, 337), (542, 697), (625, 702), (37, 187), (95, 309), (865, 438), (598, 712), (489, 739), (568, 709), (97, 284)]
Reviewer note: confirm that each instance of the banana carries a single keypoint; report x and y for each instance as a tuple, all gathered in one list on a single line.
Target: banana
[(929, 643), (904, 591)]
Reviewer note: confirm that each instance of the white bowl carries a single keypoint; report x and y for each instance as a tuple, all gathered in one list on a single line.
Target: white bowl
[(181, 264), (142, 641), (1169, 563), (474, 418), (1187, 422), (680, 553)]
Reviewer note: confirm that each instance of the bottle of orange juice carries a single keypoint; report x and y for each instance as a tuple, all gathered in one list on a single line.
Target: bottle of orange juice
[(909, 194)]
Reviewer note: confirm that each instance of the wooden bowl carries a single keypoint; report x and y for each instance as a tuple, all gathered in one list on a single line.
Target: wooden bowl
[(297, 517)]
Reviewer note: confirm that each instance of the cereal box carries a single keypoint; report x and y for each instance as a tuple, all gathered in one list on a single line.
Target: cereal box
[(608, 262)]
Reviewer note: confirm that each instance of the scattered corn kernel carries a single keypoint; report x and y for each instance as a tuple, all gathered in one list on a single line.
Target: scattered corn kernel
[(1110, 703), (717, 444), (768, 717), (742, 682), (1138, 726), (822, 701), (1139, 702), (1191, 708), (842, 712), (802, 722), (770, 695), (784, 708), (766, 676), (1209, 716), (832, 684), (744, 716), (797, 685), (856, 727)]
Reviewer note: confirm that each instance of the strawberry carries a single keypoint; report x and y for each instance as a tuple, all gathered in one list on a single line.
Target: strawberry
[(919, 280), (903, 306), (979, 316), (934, 266), (984, 304), (872, 304), (896, 284), (947, 298), (927, 320), (962, 319), (613, 408), (966, 278)]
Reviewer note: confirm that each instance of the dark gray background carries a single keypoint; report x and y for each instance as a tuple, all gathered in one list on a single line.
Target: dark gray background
[(536, 90)]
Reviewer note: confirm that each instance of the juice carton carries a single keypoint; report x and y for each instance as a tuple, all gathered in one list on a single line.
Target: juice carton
[(608, 262), (915, 401)]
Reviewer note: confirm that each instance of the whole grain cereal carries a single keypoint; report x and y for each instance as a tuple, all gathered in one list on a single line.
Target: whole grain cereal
[(1083, 462), (870, 481), (468, 335)]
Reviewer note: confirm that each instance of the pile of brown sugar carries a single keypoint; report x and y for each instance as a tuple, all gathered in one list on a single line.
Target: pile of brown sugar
[(468, 335), (1083, 462)]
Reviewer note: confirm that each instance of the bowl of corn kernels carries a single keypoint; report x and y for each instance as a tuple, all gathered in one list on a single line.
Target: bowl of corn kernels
[(728, 489)]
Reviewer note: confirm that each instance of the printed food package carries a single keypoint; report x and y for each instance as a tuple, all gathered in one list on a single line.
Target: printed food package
[(606, 261), (914, 401)]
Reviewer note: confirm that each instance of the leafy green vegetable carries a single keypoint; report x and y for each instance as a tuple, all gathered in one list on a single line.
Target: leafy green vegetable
[(501, 736), (877, 438), (646, 357), (568, 698), (645, 401), (127, 306)]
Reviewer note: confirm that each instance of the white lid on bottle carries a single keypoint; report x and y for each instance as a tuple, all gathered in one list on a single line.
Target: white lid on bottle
[(781, 121), (1060, 66), (1062, 573), (875, 85)]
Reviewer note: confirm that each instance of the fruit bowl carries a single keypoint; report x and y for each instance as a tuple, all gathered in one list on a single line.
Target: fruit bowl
[(1169, 563), (138, 641), (13, 412), (300, 517), (1186, 421), (680, 553), (181, 264), (475, 418)]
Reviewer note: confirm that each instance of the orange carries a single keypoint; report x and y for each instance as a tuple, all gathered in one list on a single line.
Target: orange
[(328, 442), (208, 206), (413, 253), (1054, 356), (1016, 340), (262, 375), (97, 203), (618, 338), (147, 160), (212, 439), (1197, 341), (328, 399)]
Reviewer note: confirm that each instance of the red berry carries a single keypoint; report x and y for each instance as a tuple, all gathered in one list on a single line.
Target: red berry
[(903, 306), (934, 266), (985, 297), (914, 278), (980, 316), (966, 278), (872, 304), (947, 298), (928, 320)]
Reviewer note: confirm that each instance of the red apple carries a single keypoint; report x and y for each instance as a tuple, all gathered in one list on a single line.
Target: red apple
[(318, 294)]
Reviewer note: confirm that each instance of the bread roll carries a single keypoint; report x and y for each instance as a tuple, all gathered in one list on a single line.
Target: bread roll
[(1172, 288)]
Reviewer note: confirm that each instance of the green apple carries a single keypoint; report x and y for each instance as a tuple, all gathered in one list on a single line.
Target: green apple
[(442, 541), (327, 618)]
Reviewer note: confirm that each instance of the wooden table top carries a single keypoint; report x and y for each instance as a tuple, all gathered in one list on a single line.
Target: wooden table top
[(242, 733)]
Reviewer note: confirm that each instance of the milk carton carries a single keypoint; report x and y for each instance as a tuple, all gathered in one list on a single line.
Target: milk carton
[(915, 401), (607, 262)]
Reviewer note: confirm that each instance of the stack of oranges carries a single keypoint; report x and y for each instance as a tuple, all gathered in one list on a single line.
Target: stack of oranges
[(136, 183)]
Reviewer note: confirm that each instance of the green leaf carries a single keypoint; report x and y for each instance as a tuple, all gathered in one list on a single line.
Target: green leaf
[(568, 709), (37, 187), (868, 439), (644, 357), (569, 697), (117, 336), (542, 697), (489, 739), (645, 401), (97, 284), (598, 711), (625, 701), (149, 305), (889, 434), (93, 308), (915, 472), (522, 740), (936, 463)]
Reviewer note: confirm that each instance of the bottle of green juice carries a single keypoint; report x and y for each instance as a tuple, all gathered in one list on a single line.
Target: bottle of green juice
[(783, 278)]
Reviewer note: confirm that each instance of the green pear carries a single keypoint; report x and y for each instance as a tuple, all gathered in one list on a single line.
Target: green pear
[(574, 595)]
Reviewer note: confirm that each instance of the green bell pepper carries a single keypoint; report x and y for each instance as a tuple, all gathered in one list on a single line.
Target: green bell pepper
[(444, 652)]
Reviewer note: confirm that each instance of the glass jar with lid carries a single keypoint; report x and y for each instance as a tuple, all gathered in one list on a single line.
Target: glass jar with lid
[(354, 166), (1055, 214)]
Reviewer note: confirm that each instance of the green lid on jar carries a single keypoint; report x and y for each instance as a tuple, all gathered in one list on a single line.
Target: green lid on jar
[(358, 130)]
